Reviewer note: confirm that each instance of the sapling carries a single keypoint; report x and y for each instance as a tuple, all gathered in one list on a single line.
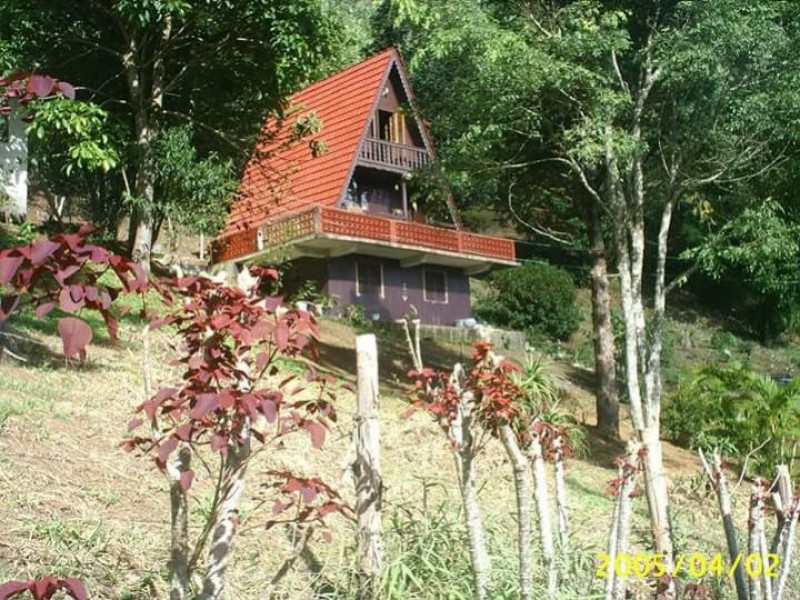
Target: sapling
[(233, 401)]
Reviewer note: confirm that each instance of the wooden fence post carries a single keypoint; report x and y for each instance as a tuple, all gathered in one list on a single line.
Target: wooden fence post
[(367, 469)]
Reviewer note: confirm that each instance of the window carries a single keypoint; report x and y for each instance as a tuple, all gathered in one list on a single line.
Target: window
[(369, 279), (434, 284)]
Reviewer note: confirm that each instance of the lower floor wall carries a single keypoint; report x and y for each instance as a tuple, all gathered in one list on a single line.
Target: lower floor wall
[(384, 289)]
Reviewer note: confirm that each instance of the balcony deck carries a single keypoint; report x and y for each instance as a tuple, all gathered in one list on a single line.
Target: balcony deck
[(327, 232), (399, 158)]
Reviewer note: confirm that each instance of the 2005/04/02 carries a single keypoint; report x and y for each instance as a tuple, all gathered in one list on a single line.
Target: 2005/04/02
[(696, 565)]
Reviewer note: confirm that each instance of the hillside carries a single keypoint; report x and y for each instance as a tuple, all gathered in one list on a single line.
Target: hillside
[(74, 503)]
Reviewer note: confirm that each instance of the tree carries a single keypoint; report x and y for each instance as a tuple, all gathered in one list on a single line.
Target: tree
[(218, 65), (484, 146), (630, 109)]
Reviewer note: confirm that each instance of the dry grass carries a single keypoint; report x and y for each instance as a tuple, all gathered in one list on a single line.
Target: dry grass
[(72, 503)]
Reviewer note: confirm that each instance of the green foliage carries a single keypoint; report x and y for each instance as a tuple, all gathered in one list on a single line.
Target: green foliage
[(194, 192), (536, 296), (738, 410), (761, 251), (543, 397), (428, 557), (356, 316), (74, 134)]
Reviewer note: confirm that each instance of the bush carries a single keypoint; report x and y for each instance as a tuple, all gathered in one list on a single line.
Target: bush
[(738, 410), (535, 296)]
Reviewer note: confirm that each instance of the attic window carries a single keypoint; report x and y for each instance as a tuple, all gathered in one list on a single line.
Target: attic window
[(392, 126)]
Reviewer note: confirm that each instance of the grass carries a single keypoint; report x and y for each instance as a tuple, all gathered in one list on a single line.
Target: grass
[(73, 503)]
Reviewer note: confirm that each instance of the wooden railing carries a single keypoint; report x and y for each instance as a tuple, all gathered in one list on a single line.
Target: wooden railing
[(325, 221), (399, 157)]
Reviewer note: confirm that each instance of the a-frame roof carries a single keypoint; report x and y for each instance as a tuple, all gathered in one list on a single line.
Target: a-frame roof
[(284, 175)]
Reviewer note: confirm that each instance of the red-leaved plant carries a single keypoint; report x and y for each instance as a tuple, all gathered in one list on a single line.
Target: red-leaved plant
[(24, 87), (485, 401), (65, 272), (44, 588), (232, 396)]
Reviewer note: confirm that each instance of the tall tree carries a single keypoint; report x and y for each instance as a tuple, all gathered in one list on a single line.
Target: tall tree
[(218, 64), (644, 106), (484, 88)]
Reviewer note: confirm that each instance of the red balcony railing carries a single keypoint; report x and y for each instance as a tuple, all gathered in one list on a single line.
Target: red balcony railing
[(335, 222), (398, 157)]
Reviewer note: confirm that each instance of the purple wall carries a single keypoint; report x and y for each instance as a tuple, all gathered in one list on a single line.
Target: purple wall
[(397, 281)]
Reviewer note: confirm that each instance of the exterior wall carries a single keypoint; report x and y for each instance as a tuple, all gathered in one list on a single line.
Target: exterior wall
[(402, 287)]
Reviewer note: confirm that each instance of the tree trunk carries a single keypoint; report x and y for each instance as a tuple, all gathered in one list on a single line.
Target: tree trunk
[(561, 493), (719, 481), (461, 432), (227, 516), (605, 369), (522, 485), (145, 110), (542, 497), (628, 471), (179, 587), (14, 166), (756, 526)]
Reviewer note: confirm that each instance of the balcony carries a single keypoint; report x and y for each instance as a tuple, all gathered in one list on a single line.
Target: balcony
[(390, 156), (326, 232)]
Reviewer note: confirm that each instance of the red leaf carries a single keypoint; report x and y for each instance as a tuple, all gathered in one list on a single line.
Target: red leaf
[(278, 507), (40, 85), (326, 535), (8, 267), (281, 335), (184, 432), (41, 250), (7, 305), (167, 448), (67, 89), (186, 480), (44, 309), (12, 588), (220, 321), (66, 302), (63, 274), (219, 442), (269, 409), (75, 335), (317, 433), (308, 494), (75, 587), (204, 404), (271, 303), (134, 423)]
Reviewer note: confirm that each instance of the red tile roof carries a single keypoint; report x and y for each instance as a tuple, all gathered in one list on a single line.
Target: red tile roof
[(283, 176)]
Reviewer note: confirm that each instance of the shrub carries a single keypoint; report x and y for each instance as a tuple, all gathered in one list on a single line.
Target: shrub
[(535, 296), (738, 410)]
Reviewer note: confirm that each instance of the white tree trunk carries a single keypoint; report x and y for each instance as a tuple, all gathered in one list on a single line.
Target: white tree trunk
[(14, 166), (561, 493), (756, 528), (627, 473), (542, 497), (522, 485), (180, 585), (719, 481), (461, 432), (227, 516)]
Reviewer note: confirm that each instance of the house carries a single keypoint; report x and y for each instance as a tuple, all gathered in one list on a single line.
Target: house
[(328, 189)]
